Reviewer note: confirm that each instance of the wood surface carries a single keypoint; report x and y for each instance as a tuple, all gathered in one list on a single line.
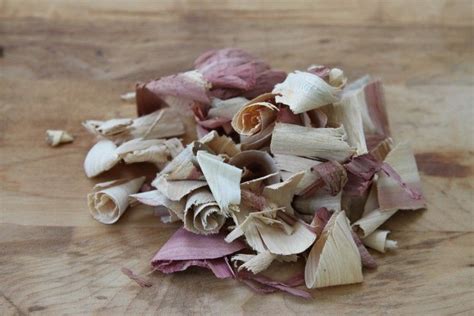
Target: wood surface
[(62, 62)]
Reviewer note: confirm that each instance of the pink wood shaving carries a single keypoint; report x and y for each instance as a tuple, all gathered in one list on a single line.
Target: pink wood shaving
[(263, 284), (367, 260), (266, 80), (414, 193), (201, 131), (321, 218), (228, 68), (233, 72), (214, 123), (179, 86), (320, 71), (219, 266), (139, 280), (375, 99), (360, 173), (285, 115), (331, 176), (255, 201), (147, 101), (185, 249)]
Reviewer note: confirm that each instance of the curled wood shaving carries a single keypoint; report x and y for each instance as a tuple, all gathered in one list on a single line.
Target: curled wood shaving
[(372, 217), (320, 220), (226, 108), (56, 137), (255, 116), (157, 151), (329, 175), (335, 258), (290, 165), (223, 180), (293, 163), (138, 150), (202, 214), (303, 91), (371, 221), (324, 143), (260, 140), (220, 144), (174, 146), (257, 185), (189, 85), (335, 76), (258, 164), (101, 157), (184, 157), (156, 198), (108, 128), (264, 231), (159, 124), (186, 171), (254, 263), (348, 113), (109, 200), (260, 261), (280, 155), (176, 190), (378, 240), (307, 205), (282, 193), (405, 192)]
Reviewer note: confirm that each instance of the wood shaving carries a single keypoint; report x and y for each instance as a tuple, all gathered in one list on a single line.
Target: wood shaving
[(223, 180), (159, 124), (255, 116), (176, 190), (391, 194), (129, 96), (156, 198), (260, 261), (138, 150), (307, 205), (226, 108), (379, 241), (101, 157), (220, 144), (323, 143), (269, 169), (282, 193), (303, 91), (258, 164), (109, 200), (372, 217), (57, 137), (202, 214), (335, 258)]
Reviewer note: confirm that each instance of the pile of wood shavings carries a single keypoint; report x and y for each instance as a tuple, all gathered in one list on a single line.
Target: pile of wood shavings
[(259, 166)]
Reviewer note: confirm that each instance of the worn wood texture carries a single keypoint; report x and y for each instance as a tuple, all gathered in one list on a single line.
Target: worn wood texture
[(65, 61)]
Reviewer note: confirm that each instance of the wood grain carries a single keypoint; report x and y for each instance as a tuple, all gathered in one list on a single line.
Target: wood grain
[(84, 275), (67, 61)]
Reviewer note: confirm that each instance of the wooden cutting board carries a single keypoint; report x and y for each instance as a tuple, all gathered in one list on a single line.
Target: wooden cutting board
[(62, 62)]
